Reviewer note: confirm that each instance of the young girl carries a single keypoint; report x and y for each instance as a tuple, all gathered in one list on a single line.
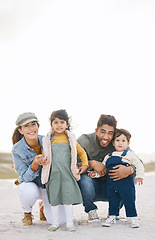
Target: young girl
[(28, 159), (61, 174), (124, 188)]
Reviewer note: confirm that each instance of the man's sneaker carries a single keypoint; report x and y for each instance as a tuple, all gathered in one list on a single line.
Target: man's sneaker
[(27, 220), (133, 222), (109, 221), (92, 216)]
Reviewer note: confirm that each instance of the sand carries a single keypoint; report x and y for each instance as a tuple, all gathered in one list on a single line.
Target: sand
[(11, 215)]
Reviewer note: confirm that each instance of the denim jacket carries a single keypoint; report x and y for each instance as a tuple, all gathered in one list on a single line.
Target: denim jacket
[(23, 157)]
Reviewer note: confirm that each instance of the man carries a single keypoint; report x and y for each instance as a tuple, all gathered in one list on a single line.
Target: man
[(97, 145)]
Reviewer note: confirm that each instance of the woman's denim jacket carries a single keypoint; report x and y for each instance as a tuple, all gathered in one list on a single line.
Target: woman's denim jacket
[(23, 157)]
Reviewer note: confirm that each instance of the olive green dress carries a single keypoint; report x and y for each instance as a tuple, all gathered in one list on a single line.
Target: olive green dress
[(62, 188)]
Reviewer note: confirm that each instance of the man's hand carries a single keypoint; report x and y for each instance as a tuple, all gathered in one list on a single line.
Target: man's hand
[(98, 167), (119, 172)]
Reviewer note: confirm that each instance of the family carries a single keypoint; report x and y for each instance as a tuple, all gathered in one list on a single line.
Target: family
[(63, 171)]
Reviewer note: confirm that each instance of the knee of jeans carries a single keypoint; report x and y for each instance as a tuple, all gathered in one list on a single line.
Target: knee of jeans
[(86, 183)]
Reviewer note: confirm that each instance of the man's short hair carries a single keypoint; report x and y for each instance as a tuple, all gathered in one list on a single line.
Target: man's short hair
[(106, 119)]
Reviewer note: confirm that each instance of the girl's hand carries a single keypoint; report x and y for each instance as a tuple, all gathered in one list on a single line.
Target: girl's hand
[(91, 174), (99, 167), (82, 169), (139, 181)]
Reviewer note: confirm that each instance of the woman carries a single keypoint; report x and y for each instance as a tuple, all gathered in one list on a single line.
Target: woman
[(28, 159)]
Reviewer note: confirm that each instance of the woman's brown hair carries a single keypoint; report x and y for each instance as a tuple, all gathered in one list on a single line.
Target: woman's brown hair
[(17, 136)]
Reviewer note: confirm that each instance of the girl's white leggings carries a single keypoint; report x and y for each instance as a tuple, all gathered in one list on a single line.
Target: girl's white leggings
[(56, 213), (29, 193)]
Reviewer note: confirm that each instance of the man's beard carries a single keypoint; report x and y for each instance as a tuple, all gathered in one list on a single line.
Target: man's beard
[(98, 142)]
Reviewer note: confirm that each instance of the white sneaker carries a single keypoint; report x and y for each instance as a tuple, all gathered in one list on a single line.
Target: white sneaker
[(121, 219), (92, 216), (133, 222), (110, 220)]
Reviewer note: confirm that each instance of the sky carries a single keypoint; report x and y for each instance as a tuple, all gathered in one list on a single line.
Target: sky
[(90, 57)]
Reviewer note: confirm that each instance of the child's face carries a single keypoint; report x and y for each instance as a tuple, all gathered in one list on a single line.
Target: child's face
[(59, 126), (121, 143)]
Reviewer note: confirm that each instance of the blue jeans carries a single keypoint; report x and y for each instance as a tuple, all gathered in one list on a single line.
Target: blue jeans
[(92, 190)]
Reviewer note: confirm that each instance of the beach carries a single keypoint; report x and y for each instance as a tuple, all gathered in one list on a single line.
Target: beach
[(11, 216)]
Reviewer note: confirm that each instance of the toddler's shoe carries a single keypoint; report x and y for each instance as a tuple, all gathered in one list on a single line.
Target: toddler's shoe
[(133, 222), (121, 219), (110, 220)]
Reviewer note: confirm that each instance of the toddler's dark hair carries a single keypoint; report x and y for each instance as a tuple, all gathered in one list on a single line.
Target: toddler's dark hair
[(61, 114), (121, 131)]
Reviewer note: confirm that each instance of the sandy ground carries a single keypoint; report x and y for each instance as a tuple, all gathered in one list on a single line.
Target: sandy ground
[(11, 215)]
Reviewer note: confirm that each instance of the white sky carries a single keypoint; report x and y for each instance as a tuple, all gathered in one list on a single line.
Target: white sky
[(90, 57)]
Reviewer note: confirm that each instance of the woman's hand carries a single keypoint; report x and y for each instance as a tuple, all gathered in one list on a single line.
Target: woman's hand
[(41, 160), (38, 160)]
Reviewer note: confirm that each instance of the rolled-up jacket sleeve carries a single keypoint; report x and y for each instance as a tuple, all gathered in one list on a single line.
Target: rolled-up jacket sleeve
[(24, 170)]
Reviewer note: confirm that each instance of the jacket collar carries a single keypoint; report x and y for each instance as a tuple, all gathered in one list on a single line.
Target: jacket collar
[(26, 146)]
